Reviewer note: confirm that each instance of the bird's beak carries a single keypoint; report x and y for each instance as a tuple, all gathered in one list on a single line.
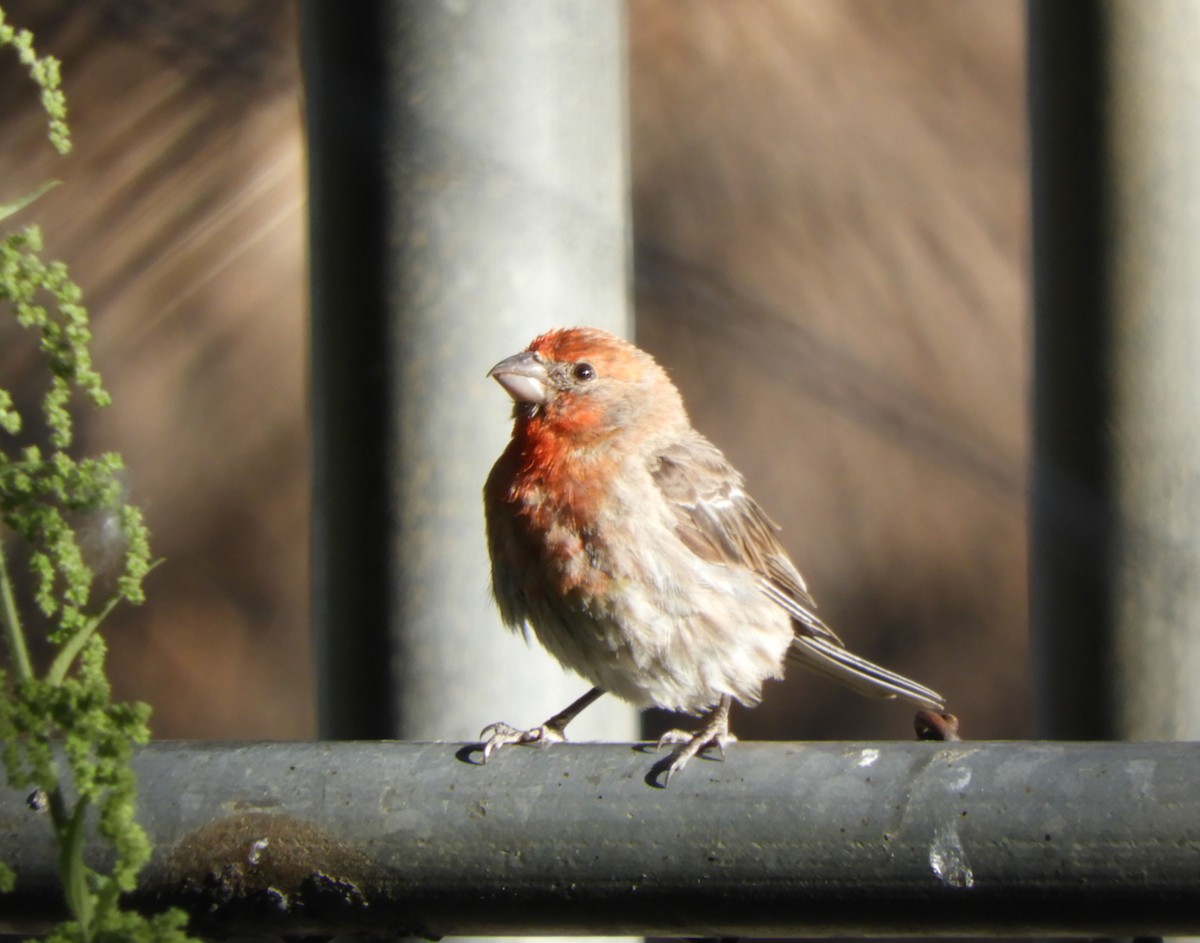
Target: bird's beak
[(523, 377)]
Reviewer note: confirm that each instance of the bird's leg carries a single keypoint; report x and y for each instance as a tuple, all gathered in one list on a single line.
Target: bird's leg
[(495, 736), (714, 733)]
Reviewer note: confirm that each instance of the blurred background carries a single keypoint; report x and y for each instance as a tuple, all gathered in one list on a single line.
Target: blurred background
[(830, 211)]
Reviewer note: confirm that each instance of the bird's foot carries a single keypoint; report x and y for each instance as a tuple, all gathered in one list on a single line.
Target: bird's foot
[(715, 733), (495, 736)]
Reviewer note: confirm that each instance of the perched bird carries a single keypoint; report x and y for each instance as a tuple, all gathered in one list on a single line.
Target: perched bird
[(627, 542)]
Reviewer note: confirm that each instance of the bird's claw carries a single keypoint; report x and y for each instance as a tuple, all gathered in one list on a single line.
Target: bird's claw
[(495, 736), (693, 745)]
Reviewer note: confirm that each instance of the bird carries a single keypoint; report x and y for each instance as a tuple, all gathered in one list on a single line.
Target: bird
[(627, 544)]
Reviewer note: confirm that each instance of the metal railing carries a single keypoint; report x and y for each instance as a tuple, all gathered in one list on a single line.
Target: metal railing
[(783, 839)]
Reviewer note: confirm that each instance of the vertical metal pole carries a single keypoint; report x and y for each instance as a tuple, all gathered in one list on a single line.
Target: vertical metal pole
[(1155, 145), (469, 189), (1115, 88)]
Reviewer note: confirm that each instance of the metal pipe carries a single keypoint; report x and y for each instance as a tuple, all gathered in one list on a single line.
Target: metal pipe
[(469, 188), (1116, 496), (1154, 145), (781, 839)]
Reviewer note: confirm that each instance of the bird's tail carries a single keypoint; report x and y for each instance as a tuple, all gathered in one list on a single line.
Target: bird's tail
[(863, 676)]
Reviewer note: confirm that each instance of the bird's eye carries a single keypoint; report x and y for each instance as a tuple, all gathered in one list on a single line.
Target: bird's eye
[(584, 371)]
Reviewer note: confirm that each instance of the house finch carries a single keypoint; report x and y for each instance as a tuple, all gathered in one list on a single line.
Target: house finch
[(627, 542)]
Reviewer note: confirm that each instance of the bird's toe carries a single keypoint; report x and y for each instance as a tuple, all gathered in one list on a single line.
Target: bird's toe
[(495, 736)]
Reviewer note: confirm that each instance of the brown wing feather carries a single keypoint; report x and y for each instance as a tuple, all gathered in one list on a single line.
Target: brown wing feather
[(720, 522)]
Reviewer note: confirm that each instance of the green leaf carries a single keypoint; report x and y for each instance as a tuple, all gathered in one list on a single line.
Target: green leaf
[(74, 871), (73, 645)]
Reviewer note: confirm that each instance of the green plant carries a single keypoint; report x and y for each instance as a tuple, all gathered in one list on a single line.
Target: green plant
[(63, 735)]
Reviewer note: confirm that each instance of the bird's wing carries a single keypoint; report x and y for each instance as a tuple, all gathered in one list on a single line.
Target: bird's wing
[(719, 522)]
